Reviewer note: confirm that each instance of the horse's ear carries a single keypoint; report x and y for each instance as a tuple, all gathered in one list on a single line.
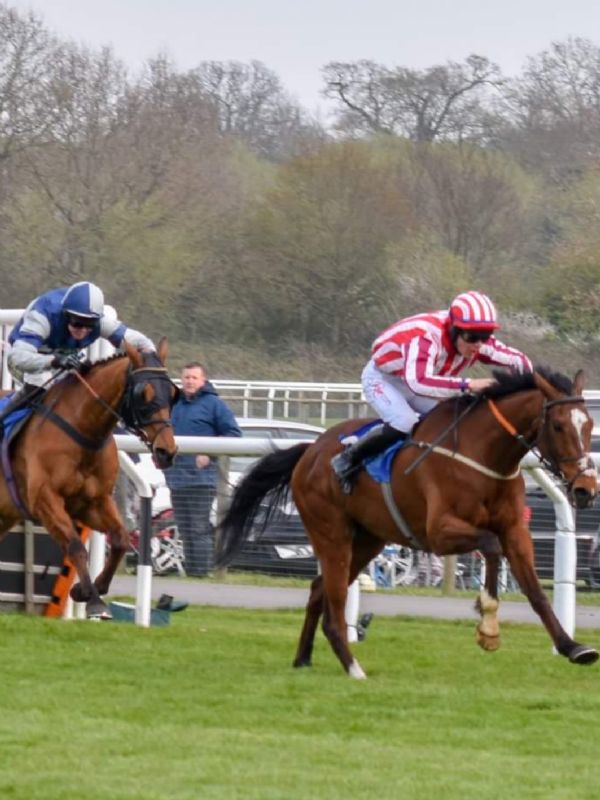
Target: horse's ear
[(550, 392), (134, 355), (163, 349), (578, 383)]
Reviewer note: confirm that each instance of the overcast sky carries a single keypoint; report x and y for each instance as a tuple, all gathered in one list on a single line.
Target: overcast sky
[(295, 39)]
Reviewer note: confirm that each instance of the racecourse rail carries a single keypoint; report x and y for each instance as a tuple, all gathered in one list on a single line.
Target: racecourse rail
[(283, 398)]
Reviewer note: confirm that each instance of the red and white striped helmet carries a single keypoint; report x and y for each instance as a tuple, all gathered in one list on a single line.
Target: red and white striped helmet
[(473, 310)]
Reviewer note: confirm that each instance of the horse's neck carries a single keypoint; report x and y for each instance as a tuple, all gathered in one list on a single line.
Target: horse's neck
[(98, 407), (522, 411)]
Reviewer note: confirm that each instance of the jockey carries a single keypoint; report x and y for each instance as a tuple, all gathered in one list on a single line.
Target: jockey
[(416, 362), (53, 329)]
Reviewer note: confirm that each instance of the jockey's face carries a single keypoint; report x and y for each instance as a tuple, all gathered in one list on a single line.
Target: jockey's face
[(468, 343), (77, 332)]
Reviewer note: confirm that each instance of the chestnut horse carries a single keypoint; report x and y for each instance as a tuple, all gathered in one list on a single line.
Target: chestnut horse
[(65, 461), (457, 486)]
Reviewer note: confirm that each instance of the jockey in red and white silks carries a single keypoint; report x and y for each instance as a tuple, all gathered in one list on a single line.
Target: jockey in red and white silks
[(416, 362)]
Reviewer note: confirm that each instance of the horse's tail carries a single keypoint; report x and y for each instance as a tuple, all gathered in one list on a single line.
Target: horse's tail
[(271, 474)]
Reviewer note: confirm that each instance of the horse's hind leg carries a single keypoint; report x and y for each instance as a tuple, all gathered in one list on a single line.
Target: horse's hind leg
[(314, 609), (364, 548)]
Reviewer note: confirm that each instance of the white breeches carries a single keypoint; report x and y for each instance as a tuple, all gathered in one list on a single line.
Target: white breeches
[(392, 399)]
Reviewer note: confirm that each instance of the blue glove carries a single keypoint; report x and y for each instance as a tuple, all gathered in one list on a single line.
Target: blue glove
[(66, 361)]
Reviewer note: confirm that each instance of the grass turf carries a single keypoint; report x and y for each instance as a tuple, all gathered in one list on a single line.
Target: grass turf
[(209, 707)]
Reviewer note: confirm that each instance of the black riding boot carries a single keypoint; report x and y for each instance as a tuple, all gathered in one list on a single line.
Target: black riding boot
[(20, 398), (346, 464)]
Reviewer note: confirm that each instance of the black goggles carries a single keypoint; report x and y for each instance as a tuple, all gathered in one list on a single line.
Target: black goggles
[(79, 322), (474, 336)]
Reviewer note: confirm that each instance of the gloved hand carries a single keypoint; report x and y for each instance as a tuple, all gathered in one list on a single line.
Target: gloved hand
[(66, 361)]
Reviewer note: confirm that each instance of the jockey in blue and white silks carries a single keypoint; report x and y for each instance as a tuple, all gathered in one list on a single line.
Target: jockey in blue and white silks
[(54, 328), (64, 321)]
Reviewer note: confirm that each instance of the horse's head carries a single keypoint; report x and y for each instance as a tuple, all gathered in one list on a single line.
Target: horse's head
[(149, 397), (564, 439)]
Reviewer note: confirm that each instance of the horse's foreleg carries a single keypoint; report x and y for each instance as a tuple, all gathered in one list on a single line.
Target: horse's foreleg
[(519, 551), (106, 517), (488, 630), (49, 508)]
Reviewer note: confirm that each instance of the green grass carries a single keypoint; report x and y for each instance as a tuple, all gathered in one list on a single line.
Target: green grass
[(210, 708)]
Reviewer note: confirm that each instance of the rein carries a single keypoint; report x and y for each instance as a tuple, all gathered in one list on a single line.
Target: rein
[(551, 465)]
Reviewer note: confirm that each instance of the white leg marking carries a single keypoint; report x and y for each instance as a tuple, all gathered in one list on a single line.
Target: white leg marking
[(356, 671), (489, 614)]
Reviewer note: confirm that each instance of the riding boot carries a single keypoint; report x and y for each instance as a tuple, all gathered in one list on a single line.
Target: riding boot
[(20, 398), (346, 464)]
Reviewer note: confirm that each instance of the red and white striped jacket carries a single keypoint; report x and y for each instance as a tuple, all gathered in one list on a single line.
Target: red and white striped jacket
[(419, 350)]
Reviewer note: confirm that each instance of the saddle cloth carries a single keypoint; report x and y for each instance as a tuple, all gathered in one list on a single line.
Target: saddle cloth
[(379, 467), (14, 418)]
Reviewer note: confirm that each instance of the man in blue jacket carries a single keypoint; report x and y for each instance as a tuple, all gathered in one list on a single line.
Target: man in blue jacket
[(192, 479)]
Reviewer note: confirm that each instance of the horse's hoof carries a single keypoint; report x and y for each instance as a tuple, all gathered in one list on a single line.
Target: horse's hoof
[(77, 594), (582, 654), (302, 662), (97, 611), (486, 642)]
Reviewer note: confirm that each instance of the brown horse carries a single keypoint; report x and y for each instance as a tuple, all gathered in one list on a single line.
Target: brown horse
[(65, 461), (457, 486)]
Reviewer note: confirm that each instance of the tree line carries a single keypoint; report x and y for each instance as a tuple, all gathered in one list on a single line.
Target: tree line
[(213, 208)]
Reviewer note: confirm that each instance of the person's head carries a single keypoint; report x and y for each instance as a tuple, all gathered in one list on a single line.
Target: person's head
[(193, 378), (83, 308), (473, 320)]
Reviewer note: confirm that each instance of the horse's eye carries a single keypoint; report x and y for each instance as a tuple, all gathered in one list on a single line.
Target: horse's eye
[(557, 426)]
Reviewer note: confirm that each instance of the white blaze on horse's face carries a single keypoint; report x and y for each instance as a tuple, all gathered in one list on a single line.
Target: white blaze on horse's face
[(585, 464)]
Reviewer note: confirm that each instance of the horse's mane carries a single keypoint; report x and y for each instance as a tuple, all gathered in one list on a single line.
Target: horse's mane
[(88, 365), (509, 383)]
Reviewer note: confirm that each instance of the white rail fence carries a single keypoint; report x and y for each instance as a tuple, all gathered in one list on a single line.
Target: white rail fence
[(328, 400)]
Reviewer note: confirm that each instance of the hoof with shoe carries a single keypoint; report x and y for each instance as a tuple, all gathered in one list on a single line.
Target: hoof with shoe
[(582, 654), (98, 611)]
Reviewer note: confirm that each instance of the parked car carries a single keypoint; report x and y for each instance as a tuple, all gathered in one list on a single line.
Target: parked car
[(283, 548), (542, 521)]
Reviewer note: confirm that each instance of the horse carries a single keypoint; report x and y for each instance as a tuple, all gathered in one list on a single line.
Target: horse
[(457, 487), (64, 461)]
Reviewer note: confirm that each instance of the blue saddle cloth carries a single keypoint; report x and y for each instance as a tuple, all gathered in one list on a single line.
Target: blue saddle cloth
[(14, 418), (379, 467)]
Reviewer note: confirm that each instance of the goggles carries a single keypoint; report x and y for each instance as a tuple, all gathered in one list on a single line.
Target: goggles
[(79, 322), (474, 336)]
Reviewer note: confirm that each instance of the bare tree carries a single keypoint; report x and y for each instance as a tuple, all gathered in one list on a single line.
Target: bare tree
[(552, 112), (251, 104), (442, 102)]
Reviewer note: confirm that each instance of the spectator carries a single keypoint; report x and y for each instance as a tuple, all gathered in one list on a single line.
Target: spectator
[(192, 479)]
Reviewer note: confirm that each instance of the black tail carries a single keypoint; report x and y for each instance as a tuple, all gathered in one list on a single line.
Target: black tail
[(271, 474)]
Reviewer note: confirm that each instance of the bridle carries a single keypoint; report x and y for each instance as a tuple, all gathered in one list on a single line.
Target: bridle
[(133, 412), (553, 463)]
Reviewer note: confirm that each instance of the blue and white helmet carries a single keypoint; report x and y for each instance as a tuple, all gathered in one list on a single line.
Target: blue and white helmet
[(85, 300)]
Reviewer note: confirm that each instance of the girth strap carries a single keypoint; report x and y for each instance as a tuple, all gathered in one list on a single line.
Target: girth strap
[(73, 433), (398, 518)]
